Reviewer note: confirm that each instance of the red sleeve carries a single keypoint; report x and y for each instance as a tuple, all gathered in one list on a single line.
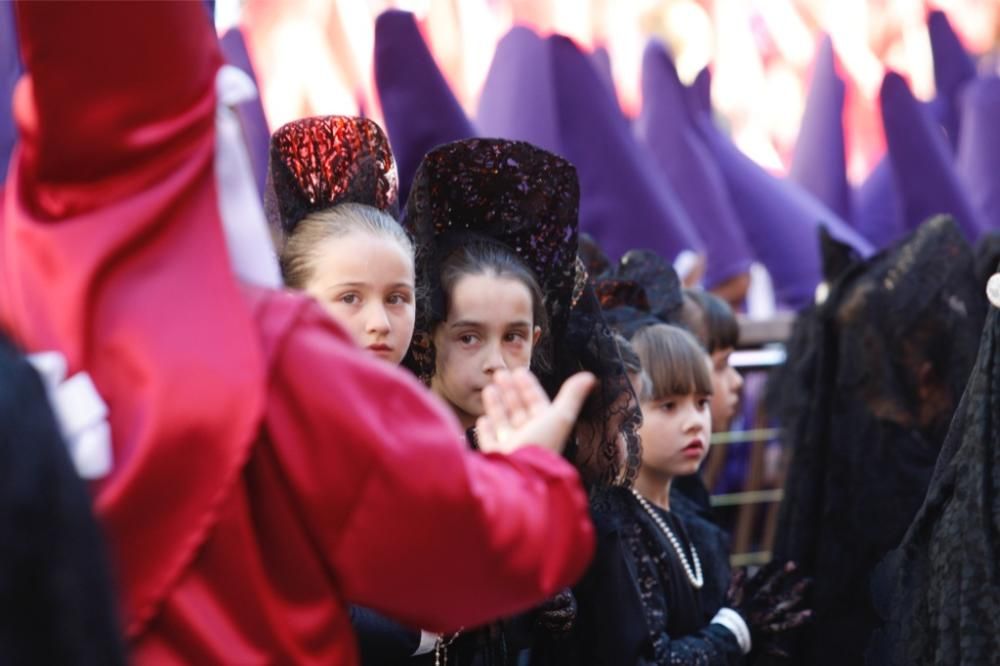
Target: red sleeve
[(414, 524)]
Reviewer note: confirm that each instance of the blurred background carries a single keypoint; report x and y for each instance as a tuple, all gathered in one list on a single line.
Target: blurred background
[(315, 56)]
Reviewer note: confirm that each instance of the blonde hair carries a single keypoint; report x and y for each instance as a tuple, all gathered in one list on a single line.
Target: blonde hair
[(673, 359), (301, 247)]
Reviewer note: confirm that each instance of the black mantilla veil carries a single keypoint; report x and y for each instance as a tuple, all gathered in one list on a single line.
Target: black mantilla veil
[(871, 381), (940, 590), (610, 418)]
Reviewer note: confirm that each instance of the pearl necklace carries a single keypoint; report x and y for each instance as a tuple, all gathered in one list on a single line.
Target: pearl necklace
[(694, 577)]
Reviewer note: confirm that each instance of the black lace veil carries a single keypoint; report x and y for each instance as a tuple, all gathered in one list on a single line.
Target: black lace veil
[(940, 590), (872, 378)]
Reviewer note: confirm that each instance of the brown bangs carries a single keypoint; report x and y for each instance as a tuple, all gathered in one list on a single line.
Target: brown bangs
[(674, 361)]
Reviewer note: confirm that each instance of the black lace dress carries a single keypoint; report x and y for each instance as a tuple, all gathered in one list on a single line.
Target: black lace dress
[(636, 605)]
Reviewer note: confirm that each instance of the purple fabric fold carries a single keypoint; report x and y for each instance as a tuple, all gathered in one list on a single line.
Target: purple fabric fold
[(925, 175), (419, 108), (547, 92), (665, 126), (953, 68), (780, 219), (878, 213), (819, 163), (10, 72), (978, 161)]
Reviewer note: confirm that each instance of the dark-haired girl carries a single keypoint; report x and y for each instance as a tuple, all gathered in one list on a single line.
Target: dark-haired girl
[(495, 226), (652, 595)]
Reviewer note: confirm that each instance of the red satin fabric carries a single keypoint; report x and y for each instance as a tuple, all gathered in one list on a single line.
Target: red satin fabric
[(360, 490), (113, 253), (265, 471)]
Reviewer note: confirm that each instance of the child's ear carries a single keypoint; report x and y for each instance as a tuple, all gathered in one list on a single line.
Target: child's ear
[(536, 335)]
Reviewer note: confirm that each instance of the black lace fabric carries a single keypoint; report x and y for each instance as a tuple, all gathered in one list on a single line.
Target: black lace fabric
[(872, 379), (594, 260), (499, 191), (658, 279), (637, 605), (607, 449), (940, 590), (641, 290)]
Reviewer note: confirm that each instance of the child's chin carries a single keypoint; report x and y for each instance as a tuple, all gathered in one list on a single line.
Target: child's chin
[(688, 469)]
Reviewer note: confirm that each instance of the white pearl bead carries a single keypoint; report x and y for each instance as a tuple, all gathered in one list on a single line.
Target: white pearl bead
[(694, 577)]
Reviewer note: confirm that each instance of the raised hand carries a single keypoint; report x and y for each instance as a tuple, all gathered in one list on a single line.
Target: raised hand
[(519, 413)]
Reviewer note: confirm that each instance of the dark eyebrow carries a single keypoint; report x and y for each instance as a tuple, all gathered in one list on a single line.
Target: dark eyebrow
[(519, 324)]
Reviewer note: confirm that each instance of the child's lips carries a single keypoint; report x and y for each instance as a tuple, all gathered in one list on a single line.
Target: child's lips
[(695, 448)]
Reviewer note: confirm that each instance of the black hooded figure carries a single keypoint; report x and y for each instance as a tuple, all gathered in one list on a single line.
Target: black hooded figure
[(940, 590), (56, 601), (873, 376)]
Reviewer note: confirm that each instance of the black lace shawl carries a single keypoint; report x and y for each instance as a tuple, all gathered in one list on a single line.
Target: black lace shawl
[(940, 590), (863, 442)]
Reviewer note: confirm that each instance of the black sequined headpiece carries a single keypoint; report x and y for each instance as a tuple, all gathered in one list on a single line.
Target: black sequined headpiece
[(319, 162)]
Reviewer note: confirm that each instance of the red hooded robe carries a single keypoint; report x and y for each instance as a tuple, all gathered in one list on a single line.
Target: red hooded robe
[(266, 472)]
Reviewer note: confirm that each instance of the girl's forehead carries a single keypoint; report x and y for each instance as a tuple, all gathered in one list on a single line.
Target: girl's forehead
[(490, 298), (359, 257)]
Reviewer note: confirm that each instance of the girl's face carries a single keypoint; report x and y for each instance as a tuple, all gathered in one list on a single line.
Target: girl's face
[(366, 282), (675, 432), (490, 326), (726, 385)]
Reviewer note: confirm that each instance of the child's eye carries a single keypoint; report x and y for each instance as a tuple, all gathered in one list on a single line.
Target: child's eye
[(704, 402), (350, 299), (468, 339), (668, 406), (516, 336), (398, 299)]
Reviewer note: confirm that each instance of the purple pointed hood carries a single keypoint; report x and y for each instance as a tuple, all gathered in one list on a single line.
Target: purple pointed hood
[(602, 64), (546, 91), (819, 163), (699, 93), (517, 100), (10, 71), (953, 68), (251, 113), (418, 106), (780, 219), (978, 161), (665, 126), (925, 176), (878, 213)]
